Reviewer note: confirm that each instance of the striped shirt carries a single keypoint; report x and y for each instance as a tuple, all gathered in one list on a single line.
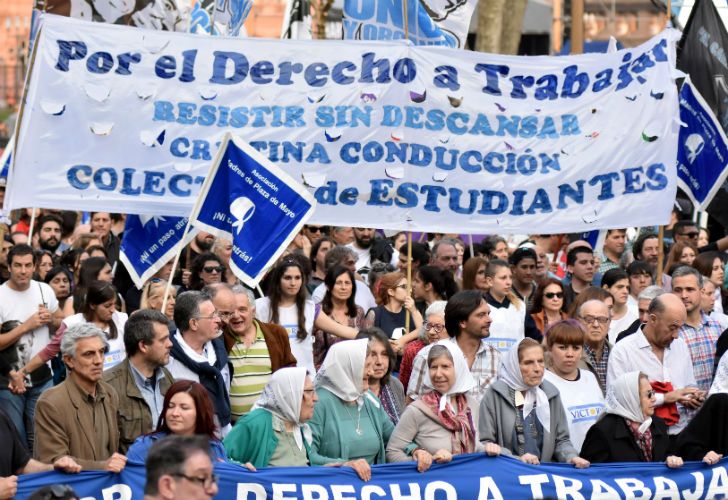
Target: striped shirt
[(251, 373), (701, 342)]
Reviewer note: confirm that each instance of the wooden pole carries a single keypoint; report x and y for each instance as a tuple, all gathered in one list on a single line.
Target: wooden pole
[(557, 27), (409, 281), (669, 12), (577, 26), (660, 255), (174, 268), (405, 19)]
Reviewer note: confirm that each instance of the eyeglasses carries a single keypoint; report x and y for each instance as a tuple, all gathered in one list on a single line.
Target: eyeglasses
[(214, 315), (691, 235), (205, 482), (602, 320), (431, 326), (551, 295), (59, 491), (225, 315), (402, 286), (650, 394), (213, 269), (309, 392)]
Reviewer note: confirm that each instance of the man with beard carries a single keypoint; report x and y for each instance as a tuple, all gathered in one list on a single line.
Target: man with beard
[(370, 249), (49, 233)]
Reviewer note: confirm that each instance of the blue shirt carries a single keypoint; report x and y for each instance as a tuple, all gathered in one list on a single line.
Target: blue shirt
[(140, 448), (150, 392)]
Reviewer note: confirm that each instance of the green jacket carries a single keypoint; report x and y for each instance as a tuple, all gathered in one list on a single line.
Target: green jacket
[(328, 446), (253, 440)]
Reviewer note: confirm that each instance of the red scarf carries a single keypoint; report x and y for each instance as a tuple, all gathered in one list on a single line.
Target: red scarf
[(460, 424), (668, 411)]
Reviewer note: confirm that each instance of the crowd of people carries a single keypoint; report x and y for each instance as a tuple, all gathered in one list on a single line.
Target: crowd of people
[(538, 347)]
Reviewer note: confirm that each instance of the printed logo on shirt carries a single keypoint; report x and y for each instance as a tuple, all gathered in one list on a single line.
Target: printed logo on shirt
[(500, 343), (583, 413), (113, 358)]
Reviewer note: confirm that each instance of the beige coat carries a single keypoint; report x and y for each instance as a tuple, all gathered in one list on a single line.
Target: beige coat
[(64, 425)]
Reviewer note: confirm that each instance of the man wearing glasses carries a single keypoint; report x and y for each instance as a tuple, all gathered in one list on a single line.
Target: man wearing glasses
[(180, 468), (688, 232), (657, 351), (198, 351), (595, 316)]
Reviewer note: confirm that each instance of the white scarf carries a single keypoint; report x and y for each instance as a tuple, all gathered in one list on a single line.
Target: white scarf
[(342, 372), (720, 383), (510, 373), (623, 399), (463, 378), (283, 397)]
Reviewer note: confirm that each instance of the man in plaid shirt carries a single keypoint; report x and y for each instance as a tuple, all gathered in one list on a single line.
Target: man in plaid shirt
[(467, 321), (699, 332)]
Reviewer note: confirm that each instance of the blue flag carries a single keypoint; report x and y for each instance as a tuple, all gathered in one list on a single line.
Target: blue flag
[(6, 159), (232, 14), (702, 155), (150, 241), (247, 199)]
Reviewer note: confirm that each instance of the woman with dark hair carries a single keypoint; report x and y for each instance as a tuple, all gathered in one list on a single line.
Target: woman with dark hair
[(187, 410), (495, 247), (43, 264), (318, 256), (430, 283), (616, 282), (207, 268), (710, 265), (99, 309), (579, 389), (60, 279), (92, 269), (382, 359), (287, 304), (440, 422), (393, 300), (474, 274), (339, 305), (548, 304)]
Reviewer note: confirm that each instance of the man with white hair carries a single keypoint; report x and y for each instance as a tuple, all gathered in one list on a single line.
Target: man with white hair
[(255, 350), (77, 418)]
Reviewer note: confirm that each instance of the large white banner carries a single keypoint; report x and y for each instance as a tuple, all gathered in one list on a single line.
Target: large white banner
[(382, 134)]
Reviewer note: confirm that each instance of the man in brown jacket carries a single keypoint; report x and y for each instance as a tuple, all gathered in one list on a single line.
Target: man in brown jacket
[(78, 417), (141, 381)]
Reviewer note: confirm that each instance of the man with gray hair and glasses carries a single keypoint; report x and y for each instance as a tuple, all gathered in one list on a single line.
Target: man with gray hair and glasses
[(198, 351), (595, 316), (180, 468), (77, 418)]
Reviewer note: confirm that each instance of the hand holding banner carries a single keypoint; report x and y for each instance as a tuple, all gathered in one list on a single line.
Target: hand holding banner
[(250, 201)]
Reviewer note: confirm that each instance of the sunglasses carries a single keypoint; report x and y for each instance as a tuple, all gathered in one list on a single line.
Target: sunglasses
[(551, 295), (691, 234), (650, 394), (213, 269)]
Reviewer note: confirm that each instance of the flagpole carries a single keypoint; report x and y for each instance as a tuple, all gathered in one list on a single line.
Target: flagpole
[(409, 280), (168, 288), (472, 248), (406, 22), (32, 226), (660, 255)]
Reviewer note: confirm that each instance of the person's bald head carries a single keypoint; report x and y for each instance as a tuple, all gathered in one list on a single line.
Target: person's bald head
[(595, 316), (666, 315)]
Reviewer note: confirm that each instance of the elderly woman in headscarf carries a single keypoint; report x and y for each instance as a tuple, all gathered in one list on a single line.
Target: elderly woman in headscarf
[(440, 423), (628, 431), (349, 425), (275, 433), (522, 413)]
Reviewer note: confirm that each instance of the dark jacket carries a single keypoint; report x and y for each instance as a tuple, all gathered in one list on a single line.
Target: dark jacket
[(610, 440), (133, 416), (276, 340), (706, 431)]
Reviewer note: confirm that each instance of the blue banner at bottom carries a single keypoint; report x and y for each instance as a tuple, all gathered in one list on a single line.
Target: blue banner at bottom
[(466, 477)]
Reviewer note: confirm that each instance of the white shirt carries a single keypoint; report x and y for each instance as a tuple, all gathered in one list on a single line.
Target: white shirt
[(302, 350), (635, 353), (180, 372), (617, 326), (19, 306), (582, 401), (363, 296), (508, 326)]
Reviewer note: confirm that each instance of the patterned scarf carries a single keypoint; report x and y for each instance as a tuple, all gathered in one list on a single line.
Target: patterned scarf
[(460, 424), (644, 439), (387, 399)]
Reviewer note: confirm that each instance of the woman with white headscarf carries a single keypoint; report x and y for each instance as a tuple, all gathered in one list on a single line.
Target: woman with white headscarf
[(523, 413), (628, 431), (275, 433), (440, 423), (349, 425)]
